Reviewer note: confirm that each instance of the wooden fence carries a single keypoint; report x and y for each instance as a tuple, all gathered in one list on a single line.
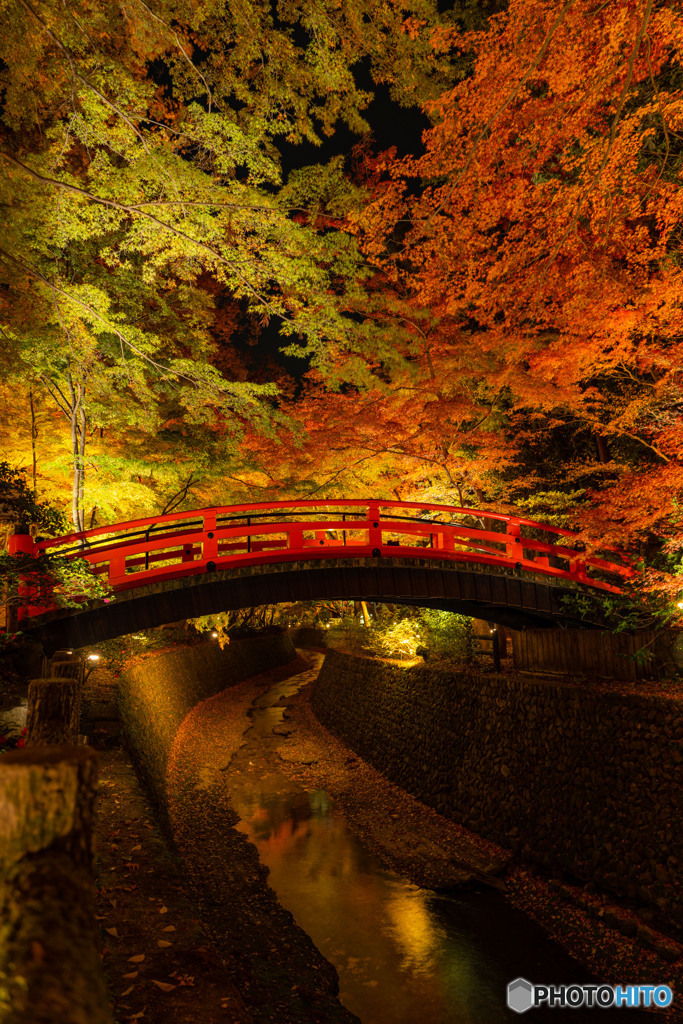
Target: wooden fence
[(594, 653)]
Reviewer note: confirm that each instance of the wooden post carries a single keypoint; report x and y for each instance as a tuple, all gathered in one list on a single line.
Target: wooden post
[(54, 711), (66, 665), (495, 646), (50, 968)]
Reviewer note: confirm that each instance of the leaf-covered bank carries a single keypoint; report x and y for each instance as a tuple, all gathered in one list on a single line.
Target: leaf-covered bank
[(156, 692), (280, 973)]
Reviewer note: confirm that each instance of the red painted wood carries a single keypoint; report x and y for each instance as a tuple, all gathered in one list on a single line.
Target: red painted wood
[(132, 554)]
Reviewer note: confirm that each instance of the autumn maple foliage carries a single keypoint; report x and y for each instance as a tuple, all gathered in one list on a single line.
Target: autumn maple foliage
[(540, 230)]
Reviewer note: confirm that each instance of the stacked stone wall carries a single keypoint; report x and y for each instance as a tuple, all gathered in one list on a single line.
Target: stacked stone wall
[(158, 690), (572, 777)]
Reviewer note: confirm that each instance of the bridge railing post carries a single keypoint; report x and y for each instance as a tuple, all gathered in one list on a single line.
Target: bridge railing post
[(577, 568), (117, 566), (513, 540), (445, 540), (295, 534), (210, 540), (374, 528)]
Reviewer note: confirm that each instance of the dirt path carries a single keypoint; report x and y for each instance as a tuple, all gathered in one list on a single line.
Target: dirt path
[(160, 962)]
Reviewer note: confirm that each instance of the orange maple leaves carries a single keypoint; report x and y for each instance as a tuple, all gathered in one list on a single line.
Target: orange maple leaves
[(545, 215)]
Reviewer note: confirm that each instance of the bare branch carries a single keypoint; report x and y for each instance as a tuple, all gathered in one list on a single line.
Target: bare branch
[(176, 499)]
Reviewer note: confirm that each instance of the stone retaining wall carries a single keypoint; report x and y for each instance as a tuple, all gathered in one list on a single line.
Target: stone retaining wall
[(158, 690), (568, 776)]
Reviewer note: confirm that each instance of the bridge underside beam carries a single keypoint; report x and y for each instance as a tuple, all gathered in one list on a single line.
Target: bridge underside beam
[(510, 601)]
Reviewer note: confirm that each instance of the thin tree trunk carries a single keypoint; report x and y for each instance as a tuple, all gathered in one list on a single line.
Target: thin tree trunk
[(81, 460), (71, 403), (34, 438), (603, 449), (78, 427)]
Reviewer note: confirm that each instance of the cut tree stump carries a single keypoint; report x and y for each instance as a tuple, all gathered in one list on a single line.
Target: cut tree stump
[(54, 711), (66, 666), (50, 968)]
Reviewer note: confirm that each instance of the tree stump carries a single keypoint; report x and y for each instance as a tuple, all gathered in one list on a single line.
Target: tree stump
[(65, 665), (54, 711), (50, 968)]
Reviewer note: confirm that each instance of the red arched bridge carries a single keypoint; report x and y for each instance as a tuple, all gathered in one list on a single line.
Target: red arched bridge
[(504, 568)]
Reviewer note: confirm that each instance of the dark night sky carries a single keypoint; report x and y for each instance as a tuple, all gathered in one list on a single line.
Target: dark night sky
[(390, 125)]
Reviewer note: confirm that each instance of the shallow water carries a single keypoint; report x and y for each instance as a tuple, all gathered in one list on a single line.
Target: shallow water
[(404, 955)]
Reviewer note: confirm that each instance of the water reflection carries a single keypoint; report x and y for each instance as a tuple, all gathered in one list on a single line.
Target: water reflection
[(399, 959), (404, 955)]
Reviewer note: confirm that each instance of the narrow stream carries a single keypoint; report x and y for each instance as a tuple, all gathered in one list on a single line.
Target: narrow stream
[(403, 954)]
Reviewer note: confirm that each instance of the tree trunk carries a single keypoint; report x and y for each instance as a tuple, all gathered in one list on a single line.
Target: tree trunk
[(34, 438), (54, 710), (50, 969), (71, 403), (604, 454), (78, 427)]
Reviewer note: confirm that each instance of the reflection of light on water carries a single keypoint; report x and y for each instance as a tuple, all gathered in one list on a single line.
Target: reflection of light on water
[(413, 928), (428, 950), (397, 960)]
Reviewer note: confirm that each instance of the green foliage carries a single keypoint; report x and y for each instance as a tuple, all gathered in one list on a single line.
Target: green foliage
[(143, 178), (115, 654), (399, 639), (405, 633), (447, 634), (622, 613), (557, 508), (139, 186), (20, 507), (48, 578), (218, 625), (240, 622)]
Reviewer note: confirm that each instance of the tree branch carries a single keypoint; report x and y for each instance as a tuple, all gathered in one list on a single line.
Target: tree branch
[(131, 210), (69, 56), (176, 499), (170, 29)]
